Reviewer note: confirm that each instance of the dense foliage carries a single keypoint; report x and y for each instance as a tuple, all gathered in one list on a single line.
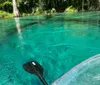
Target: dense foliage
[(27, 6), (5, 15)]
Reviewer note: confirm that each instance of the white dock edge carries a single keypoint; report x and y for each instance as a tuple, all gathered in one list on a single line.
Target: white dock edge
[(66, 78)]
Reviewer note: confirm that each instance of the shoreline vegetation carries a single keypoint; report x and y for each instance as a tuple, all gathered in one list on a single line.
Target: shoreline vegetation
[(11, 8), (7, 15), (36, 11)]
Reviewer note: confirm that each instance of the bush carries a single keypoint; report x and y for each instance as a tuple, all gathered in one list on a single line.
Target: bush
[(7, 6), (24, 14), (5, 15), (33, 11), (1, 6), (70, 9), (53, 10), (37, 11), (50, 12)]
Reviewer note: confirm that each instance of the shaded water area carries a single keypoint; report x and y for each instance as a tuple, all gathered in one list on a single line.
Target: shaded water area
[(58, 44)]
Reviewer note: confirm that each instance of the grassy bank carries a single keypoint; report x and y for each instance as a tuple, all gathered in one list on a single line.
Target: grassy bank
[(36, 11), (5, 15)]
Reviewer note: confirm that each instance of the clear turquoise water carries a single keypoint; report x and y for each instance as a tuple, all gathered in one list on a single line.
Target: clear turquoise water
[(58, 44)]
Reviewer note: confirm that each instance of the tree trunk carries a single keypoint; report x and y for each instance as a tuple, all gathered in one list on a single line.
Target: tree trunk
[(15, 9)]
